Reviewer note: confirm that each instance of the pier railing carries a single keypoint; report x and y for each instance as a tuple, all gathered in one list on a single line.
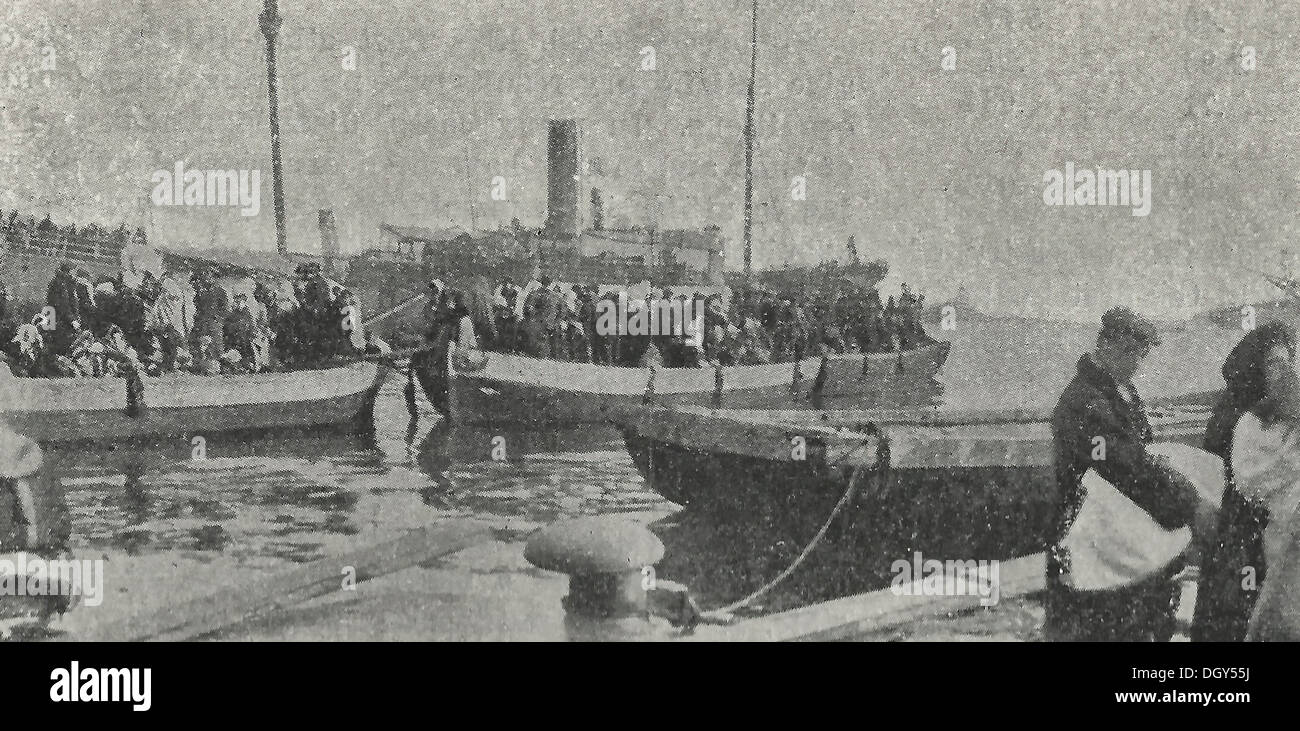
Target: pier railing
[(81, 246)]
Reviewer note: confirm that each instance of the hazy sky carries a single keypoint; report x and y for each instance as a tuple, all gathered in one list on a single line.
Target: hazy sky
[(940, 172)]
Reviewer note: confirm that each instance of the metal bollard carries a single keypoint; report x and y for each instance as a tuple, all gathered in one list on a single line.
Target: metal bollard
[(609, 560)]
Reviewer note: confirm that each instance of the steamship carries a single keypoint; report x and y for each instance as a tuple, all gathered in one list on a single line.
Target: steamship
[(508, 389), (570, 247)]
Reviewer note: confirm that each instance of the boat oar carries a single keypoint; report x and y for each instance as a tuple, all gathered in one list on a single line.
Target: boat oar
[(409, 393), (395, 309), (230, 605)]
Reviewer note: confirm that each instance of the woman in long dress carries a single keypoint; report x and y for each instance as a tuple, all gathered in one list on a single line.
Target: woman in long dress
[(1266, 462), (1233, 566)]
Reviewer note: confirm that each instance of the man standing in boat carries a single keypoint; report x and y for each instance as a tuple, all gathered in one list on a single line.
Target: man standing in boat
[(541, 320), (1099, 424), (61, 295), (211, 308)]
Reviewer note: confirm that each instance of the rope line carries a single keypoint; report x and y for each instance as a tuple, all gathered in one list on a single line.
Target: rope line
[(722, 615)]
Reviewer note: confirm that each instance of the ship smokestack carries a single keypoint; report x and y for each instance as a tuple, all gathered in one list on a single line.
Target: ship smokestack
[(562, 179), (329, 240)]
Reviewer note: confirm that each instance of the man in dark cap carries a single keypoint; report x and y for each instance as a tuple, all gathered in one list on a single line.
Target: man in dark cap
[(211, 308), (542, 311), (1099, 424)]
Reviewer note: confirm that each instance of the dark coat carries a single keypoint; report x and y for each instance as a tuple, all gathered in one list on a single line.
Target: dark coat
[(1091, 406), (546, 307), (85, 302), (211, 308), (62, 296), (240, 329), (131, 311)]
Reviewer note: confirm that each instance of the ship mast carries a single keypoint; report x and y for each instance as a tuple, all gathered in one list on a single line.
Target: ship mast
[(269, 21), (749, 149)]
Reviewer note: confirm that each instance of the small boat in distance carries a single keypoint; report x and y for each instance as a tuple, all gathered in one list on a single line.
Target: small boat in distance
[(1239, 317), (1287, 284), (182, 404), (503, 388)]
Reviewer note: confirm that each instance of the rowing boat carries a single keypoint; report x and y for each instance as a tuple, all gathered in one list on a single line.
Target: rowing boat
[(958, 484), (183, 404), (503, 388)]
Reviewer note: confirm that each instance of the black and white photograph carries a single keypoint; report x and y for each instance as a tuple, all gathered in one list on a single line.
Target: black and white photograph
[(611, 321)]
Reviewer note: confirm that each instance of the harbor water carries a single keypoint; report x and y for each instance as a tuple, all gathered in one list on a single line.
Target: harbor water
[(173, 519)]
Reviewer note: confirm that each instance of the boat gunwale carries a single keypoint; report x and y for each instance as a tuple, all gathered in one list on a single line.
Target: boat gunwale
[(295, 384), (842, 435), (560, 375)]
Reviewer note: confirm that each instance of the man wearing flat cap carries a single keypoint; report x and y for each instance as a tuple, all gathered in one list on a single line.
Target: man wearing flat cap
[(1101, 408)]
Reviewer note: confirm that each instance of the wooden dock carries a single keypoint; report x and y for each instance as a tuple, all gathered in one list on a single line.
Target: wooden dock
[(863, 615)]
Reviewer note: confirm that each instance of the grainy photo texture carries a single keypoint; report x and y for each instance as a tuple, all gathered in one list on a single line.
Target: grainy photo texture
[(720, 320)]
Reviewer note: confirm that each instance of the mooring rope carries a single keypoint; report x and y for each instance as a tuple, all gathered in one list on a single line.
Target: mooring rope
[(722, 615)]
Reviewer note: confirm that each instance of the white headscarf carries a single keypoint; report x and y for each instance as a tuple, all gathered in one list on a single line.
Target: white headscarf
[(522, 297), (285, 298), (29, 339)]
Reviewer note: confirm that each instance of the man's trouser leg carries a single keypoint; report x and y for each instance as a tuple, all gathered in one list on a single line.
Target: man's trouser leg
[(1143, 612)]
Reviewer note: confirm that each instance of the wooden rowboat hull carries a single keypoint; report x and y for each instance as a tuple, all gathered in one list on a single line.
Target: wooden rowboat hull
[(955, 488), (514, 389), (856, 381), (94, 409)]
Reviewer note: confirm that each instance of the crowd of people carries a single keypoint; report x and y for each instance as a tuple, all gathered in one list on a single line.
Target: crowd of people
[(26, 230), (162, 324), (548, 319)]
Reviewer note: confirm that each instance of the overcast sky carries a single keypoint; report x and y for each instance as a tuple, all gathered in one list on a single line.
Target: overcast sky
[(939, 172)]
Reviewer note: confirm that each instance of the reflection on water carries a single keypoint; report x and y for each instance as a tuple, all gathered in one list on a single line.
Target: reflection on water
[(293, 495), (301, 496), (539, 477)]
